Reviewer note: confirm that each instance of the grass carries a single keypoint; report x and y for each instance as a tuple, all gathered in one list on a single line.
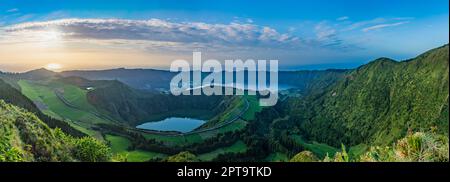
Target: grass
[(357, 150), (43, 92), (142, 156), (235, 126), (253, 109), (118, 143), (238, 147), (320, 149), (76, 96), (175, 140)]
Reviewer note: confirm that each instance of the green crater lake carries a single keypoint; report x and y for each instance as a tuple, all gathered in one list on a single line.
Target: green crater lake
[(183, 125)]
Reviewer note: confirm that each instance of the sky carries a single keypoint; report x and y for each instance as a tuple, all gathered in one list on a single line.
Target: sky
[(320, 34)]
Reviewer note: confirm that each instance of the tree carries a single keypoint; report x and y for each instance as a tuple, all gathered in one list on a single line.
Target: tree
[(305, 156), (88, 149)]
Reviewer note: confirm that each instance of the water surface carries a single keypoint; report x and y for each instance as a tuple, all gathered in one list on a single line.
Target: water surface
[(183, 125)]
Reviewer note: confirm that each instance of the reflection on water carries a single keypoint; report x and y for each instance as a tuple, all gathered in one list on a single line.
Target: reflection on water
[(183, 125)]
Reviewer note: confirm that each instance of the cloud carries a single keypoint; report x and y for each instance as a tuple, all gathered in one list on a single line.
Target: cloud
[(324, 31), (381, 26), (12, 10), (233, 34), (342, 18), (377, 23), (327, 36), (360, 24)]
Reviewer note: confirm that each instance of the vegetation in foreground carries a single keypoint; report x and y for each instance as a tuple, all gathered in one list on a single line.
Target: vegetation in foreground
[(25, 138), (415, 147)]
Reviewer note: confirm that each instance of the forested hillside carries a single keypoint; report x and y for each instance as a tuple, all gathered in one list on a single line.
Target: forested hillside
[(379, 102)]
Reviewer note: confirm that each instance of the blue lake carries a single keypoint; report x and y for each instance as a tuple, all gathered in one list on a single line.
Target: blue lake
[(183, 125)]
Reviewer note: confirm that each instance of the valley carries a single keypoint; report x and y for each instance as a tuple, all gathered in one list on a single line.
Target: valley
[(320, 114)]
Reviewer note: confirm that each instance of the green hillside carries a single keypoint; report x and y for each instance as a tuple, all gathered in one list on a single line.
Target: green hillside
[(13, 96), (379, 102), (24, 137)]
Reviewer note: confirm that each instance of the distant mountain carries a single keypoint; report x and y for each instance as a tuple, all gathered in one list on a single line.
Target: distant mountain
[(378, 102), (38, 74), (136, 78), (148, 79)]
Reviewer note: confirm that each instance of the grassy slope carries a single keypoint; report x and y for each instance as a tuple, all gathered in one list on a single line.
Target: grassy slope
[(43, 93), (29, 137), (238, 147)]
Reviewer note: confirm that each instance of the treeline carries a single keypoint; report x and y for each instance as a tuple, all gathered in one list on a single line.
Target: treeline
[(263, 136), (15, 97)]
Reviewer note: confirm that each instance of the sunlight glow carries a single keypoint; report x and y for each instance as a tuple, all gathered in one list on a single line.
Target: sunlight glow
[(53, 66), (50, 36)]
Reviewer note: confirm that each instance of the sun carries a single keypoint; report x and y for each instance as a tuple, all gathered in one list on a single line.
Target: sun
[(53, 66)]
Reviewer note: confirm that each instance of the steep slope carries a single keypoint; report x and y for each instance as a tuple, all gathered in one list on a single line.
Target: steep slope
[(378, 102), (24, 137), (13, 96)]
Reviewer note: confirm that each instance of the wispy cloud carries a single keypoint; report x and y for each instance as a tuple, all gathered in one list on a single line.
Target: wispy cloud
[(359, 24), (328, 35), (374, 24), (324, 31), (12, 10), (381, 26), (342, 18)]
